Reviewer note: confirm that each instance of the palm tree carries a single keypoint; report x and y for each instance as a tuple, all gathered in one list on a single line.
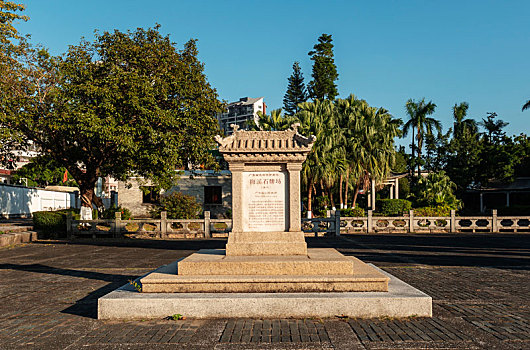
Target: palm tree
[(493, 127), (438, 189), (526, 105), (420, 123), (369, 142), (348, 118), (462, 125), (316, 118)]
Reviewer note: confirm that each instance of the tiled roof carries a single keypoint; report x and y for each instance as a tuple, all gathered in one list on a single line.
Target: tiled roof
[(288, 141)]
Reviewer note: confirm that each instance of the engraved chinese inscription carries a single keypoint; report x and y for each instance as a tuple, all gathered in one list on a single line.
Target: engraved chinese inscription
[(264, 207)]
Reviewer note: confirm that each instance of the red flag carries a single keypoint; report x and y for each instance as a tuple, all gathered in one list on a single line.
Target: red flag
[(65, 176)]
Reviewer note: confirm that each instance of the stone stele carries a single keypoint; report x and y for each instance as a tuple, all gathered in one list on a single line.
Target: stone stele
[(266, 250)]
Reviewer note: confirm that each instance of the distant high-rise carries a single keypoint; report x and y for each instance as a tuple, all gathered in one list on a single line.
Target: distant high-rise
[(240, 112)]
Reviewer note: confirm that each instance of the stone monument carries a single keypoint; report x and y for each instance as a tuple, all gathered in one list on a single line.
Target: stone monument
[(266, 249), (266, 270)]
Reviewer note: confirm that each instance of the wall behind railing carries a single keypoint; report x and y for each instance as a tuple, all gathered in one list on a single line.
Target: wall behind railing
[(18, 201)]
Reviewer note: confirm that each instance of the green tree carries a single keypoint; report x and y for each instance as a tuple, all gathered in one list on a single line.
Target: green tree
[(296, 91), (463, 151), (42, 172), (493, 127), (368, 136), (324, 73), (126, 103), (317, 119), (461, 125), (12, 46), (9, 13), (435, 151), (437, 189), (421, 124), (178, 206)]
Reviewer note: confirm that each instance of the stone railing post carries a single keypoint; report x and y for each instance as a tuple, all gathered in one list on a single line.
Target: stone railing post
[(163, 224), (411, 221), (207, 222), (369, 222), (494, 223), (117, 224), (337, 222), (453, 221), (69, 230)]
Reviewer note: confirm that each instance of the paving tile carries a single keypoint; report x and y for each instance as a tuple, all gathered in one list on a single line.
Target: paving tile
[(480, 285)]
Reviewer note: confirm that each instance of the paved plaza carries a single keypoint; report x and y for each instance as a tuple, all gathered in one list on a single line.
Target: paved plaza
[(480, 285)]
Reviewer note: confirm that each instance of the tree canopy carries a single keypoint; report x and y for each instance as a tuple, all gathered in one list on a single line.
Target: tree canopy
[(11, 46), (296, 91), (323, 86), (126, 103)]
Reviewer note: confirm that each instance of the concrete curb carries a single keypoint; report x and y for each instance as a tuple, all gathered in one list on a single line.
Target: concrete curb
[(7, 239)]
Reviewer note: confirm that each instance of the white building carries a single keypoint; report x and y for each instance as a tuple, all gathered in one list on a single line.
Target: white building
[(240, 112)]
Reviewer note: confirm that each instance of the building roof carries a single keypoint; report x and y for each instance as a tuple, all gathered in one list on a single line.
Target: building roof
[(519, 184), (287, 141), (244, 101)]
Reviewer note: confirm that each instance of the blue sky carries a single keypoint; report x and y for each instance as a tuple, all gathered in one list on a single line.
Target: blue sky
[(386, 51)]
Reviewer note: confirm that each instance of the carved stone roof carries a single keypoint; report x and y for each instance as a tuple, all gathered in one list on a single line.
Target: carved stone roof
[(270, 142)]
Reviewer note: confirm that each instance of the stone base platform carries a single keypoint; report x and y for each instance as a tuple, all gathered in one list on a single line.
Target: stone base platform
[(321, 270), (401, 300), (266, 243)]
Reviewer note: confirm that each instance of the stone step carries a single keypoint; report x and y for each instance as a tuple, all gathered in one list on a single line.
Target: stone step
[(169, 279), (7, 239), (266, 248), (9, 228), (264, 283), (319, 261)]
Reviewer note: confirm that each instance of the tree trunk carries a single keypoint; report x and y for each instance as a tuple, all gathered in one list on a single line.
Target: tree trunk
[(88, 197), (419, 153), (413, 165), (309, 195), (332, 203), (347, 183), (340, 193), (355, 193)]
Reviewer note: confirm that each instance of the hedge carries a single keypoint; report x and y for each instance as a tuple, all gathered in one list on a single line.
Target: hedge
[(393, 207), (51, 220), (355, 212), (441, 210), (110, 213)]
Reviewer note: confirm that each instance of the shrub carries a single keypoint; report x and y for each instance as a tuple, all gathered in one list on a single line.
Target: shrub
[(440, 210), (393, 207), (178, 206), (349, 212), (110, 212), (437, 190), (51, 220)]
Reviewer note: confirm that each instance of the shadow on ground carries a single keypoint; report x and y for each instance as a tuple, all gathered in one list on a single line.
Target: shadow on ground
[(87, 306), (480, 250)]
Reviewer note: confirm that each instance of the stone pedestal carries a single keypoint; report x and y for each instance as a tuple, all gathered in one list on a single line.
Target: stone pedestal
[(266, 269), (321, 270), (266, 250)]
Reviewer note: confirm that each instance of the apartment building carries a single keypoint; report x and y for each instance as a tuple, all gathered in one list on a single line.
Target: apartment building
[(240, 112)]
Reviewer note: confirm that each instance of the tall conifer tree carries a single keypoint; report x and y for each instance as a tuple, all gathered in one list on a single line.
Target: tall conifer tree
[(296, 91), (324, 70)]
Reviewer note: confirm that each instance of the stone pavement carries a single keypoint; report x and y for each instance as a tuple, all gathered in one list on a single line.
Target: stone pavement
[(480, 284)]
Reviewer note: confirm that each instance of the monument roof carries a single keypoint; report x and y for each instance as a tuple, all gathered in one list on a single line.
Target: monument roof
[(287, 141)]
